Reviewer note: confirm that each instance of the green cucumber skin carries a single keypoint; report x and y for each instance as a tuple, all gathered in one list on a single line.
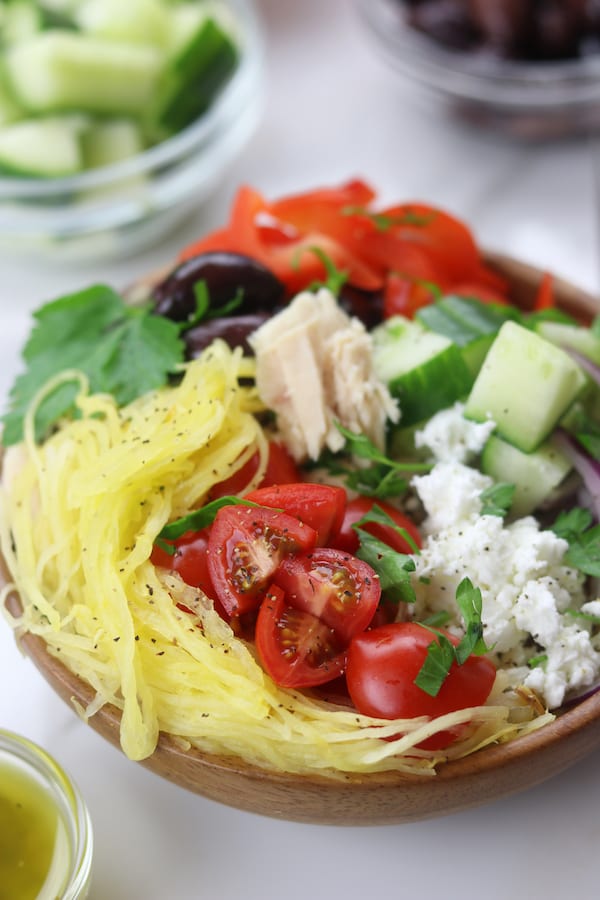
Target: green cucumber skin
[(534, 475), (78, 72), (463, 320), (196, 74), (432, 386), (525, 385), (161, 63)]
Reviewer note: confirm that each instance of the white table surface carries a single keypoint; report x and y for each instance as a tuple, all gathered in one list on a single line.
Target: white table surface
[(333, 111)]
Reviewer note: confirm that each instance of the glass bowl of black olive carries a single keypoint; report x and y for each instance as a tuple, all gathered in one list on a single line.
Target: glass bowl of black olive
[(527, 68)]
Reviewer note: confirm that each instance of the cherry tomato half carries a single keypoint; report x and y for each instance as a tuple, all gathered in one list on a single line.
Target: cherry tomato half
[(280, 469), (245, 546), (322, 506), (382, 665), (348, 539), (336, 587), (296, 648)]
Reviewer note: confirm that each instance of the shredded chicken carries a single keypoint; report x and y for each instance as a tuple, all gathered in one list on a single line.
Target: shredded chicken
[(314, 368)]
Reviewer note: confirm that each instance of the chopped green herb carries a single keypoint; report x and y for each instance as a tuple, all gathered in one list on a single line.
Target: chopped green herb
[(437, 619), (393, 568), (497, 499), (535, 661), (385, 478), (442, 652), (434, 671), (336, 278), (204, 310), (123, 350), (576, 527), (200, 518), (579, 614), (384, 222)]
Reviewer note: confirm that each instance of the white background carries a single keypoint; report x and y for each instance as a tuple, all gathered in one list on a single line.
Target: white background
[(333, 111)]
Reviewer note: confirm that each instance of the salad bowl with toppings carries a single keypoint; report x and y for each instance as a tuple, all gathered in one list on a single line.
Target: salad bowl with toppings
[(308, 524)]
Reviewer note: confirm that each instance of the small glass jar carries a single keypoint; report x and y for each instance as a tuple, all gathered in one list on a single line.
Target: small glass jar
[(46, 842)]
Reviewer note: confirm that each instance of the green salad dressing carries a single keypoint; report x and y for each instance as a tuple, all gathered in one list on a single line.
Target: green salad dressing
[(30, 836)]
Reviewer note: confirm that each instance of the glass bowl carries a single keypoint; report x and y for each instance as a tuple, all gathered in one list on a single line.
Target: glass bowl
[(51, 831), (117, 210), (531, 100)]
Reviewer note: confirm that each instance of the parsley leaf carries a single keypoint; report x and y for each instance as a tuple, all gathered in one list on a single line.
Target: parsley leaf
[(123, 350), (196, 521), (393, 568), (434, 671), (575, 526), (497, 499), (442, 653), (384, 478)]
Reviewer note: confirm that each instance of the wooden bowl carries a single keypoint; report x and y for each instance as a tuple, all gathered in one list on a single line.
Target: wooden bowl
[(376, 799)]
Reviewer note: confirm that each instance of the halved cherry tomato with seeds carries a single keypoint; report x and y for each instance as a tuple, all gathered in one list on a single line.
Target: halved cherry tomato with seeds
[(334, 586), (245, 546), (322, 506), (296, 648)]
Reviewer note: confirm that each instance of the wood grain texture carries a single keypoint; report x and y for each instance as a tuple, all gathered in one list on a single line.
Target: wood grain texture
[(388, 798)]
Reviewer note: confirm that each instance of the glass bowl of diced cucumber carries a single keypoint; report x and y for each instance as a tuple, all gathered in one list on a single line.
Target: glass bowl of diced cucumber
[(118, 117)]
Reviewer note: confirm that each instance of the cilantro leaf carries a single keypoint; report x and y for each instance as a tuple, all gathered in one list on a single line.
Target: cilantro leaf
[(123, 350), (575, 526), (497, 499)]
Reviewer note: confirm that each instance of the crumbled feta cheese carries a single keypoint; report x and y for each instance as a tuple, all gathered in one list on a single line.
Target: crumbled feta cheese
[(526, 588), (451, 437), (450, 492)]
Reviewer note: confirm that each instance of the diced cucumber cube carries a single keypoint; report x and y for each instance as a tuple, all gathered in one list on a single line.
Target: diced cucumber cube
[(535, 475), (21, 19), (61, 70), (10, 111), (109, 141), (423, 369), (41, 148), (525, 385), (194, 77), (574, 337), (470, 324), (133, 21)]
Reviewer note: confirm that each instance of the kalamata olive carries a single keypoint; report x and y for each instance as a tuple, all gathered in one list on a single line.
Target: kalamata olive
[(504, 25), (234, 330), (557, 28), (224, 275), (365, 305), (445, 21)]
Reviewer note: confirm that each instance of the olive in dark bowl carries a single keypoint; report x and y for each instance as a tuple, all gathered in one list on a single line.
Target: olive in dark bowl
[(527, 69)]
